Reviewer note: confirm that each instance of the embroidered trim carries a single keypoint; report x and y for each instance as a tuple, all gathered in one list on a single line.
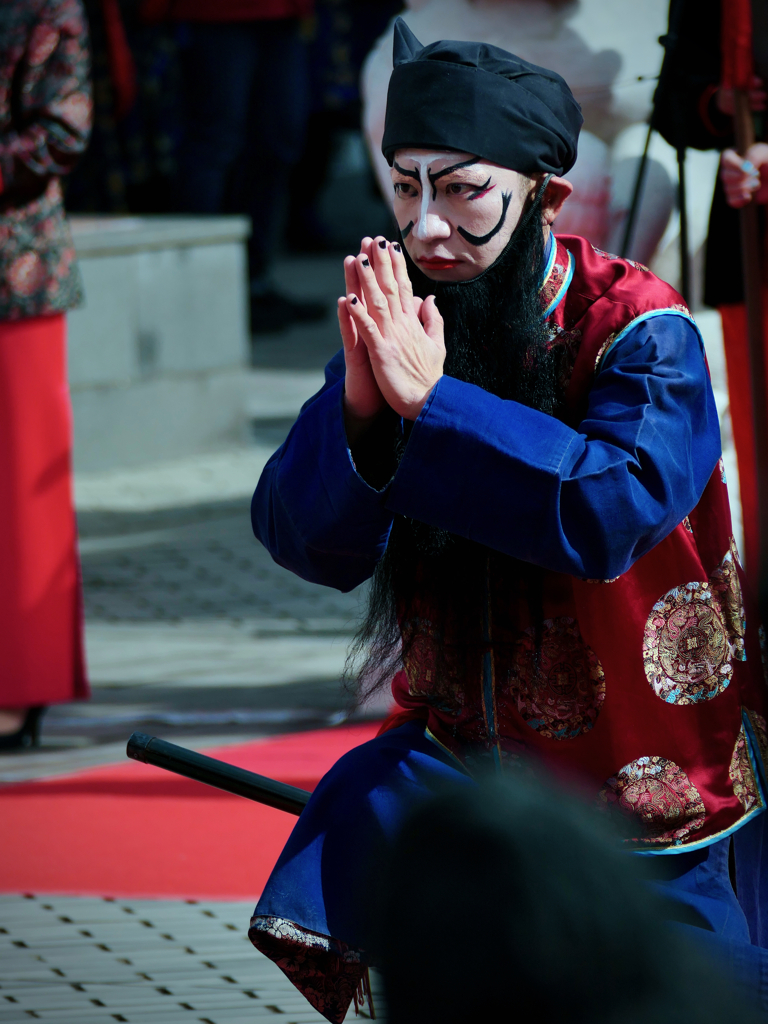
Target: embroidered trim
[(557, 278), (612, 256), (742, 772), (550, 262), (328, 973), (699, 844), (756, 738), (613, 340), (431, 736)]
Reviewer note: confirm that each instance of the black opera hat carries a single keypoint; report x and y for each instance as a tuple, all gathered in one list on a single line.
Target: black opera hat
[(479, 99)]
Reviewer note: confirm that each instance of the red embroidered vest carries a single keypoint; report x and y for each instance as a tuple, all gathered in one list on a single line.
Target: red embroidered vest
[(648, 689)]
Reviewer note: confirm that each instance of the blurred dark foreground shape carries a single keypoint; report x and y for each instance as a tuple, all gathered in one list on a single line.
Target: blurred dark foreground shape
[(512, 903)]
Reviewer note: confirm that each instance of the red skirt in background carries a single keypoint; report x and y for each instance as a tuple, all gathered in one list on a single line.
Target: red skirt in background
[(736, 344), (41, 630)]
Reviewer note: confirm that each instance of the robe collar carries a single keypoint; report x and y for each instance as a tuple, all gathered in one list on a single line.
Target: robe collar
[(557, 276)]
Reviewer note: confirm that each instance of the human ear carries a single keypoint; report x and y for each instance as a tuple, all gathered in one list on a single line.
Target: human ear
[(556, 193)]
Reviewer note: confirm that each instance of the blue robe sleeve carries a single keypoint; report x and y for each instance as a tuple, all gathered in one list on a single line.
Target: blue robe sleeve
[(312, 511), (588, 502)]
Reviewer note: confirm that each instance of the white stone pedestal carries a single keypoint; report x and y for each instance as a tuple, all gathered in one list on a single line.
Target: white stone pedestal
[(158, 354)]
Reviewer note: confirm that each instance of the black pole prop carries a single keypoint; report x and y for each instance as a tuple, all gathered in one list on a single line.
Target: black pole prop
[(212, 772), (629, 229), (682, 201), (666, 96)]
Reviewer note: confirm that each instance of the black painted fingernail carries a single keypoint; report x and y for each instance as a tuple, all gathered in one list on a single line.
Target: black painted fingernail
[(382, 244), (366, 263), (354, 300), (396, 246)]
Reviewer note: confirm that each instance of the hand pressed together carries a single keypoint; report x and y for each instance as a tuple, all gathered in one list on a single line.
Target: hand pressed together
[(393, 341)]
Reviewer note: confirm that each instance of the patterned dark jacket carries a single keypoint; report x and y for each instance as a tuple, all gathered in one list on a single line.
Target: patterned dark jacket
[(45, 120)]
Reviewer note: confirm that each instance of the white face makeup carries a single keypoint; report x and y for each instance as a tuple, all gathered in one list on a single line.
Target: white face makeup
[(456, 213)]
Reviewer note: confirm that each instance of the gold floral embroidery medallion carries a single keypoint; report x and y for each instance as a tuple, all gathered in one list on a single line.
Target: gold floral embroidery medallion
[(656, 794), (562, 696), (694, 634)]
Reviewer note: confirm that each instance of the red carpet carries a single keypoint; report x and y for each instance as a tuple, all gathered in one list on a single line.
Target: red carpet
[(135, 830)]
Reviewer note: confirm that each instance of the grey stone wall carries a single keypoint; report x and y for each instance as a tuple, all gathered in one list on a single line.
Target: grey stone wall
[(158, 354)]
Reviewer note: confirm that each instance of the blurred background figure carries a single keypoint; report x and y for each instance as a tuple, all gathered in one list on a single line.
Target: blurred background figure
[(512, 903), (698, 112), (246, 104), (130, 164), (45, 118), (344, 32)]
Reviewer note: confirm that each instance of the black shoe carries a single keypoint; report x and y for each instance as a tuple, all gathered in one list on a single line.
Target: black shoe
[(28, 735), (271, 312)]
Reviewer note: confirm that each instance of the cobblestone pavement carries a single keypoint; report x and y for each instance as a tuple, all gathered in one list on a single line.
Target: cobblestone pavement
[(140, 961)]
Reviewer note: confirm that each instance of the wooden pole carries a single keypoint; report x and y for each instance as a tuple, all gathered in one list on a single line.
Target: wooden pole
[(751, 263), (682, 202)]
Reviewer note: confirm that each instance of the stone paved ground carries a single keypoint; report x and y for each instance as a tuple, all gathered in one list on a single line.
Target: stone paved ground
[(142, 962)]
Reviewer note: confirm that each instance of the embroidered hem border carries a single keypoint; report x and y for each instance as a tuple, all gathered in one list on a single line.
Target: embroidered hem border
[(760, 769), (328, 973)]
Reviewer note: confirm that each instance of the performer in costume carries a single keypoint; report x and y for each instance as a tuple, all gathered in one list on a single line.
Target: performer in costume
[(519, 442)]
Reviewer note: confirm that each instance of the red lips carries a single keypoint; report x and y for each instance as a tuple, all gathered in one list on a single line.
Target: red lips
[(437, 263)]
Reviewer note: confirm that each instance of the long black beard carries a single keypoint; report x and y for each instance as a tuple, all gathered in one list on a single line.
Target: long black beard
[(495, 338)]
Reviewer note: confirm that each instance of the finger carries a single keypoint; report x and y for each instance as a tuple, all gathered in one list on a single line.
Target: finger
[(375, 301), (737, 199), (381, 260), (366, 326), (400, 270), (351, 282), (346, 327), (417, 304), (431, 319)]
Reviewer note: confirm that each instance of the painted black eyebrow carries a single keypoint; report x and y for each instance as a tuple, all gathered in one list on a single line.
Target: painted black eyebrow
[(408, 174), (480, 188), (482, 239), (447, 170)]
